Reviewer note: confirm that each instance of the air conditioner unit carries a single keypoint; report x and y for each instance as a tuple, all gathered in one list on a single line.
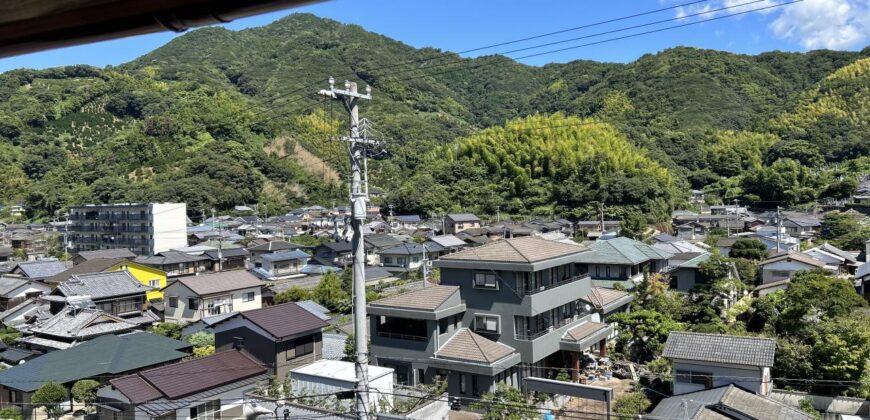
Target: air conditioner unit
[(428, 263)]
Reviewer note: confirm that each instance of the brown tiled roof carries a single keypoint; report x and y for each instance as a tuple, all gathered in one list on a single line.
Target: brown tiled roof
[(189, 377), (524, 250), (208, 284), (466, 345), (584, 330), (794, 255), (428, 299), (602, 296), (284, 320)]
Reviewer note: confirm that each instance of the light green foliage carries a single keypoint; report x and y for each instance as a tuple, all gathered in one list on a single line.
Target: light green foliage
[(730, 153), (167, 329), (85, 391), (8, 335), (11, 414), (631, 404), (293, 294), (506, 403), (203, 343), (750, 249), (49, 397), (642, 333), (807, 407), (330, 292)]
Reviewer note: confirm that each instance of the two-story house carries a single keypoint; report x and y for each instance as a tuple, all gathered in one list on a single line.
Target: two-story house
[(271, 247), (403, 258), (703, 361), (338, 254), (783, 266), (528, 293), (191, 298), (282, 337), (458, 222), (113, 292), (419, 334), (176, 263), (622, 261), (281, 264)]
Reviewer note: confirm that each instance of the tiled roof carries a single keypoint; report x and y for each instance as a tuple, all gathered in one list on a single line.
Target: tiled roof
[(81, 324), (793, 255), (90, 266), (603, 296), (468, 346), (226, 281), (8, 284), (448, 241), (284, 320), (106, 253), (463, 217), (524, 250), (276, 246), (584, 330), (102, 285), (427, 299), (405, 249), (750, 351), (286, 256), (622, 250), (117, 354), (826, 247), (41, 269), (237, 251), (190, 377), (722, 403), (169, 257)]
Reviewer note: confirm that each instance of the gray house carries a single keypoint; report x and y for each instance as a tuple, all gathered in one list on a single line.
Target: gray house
[(704, 361), (622, 260), (458, 222), (725, 403), (528, 293)]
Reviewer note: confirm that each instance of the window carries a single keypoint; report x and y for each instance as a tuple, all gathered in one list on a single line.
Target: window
[(207, 411), (400, 260), (304, 348), (388, 260), (697, 378), (193, 304), (486, 323), (485, 281), (248, 297), (173, 301), (462, 387), (443, 325), (780, 274), (421, 376), (474, 386), (415, 259), (154, 283)]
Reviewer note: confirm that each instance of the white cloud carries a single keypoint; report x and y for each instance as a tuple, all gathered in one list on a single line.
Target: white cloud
[(832, 24)]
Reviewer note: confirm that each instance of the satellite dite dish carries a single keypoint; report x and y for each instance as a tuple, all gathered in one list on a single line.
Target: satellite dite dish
[(252, 410)]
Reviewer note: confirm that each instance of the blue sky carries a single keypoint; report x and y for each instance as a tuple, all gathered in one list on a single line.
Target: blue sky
[(460, 25)]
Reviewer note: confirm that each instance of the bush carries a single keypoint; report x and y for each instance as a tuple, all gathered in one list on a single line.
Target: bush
[(85, 391), (167, 329), (631, 404), (294, 294), (10, 414), (50, 396)]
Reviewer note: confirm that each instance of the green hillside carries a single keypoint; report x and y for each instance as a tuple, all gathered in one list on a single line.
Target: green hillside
[(219, 118)]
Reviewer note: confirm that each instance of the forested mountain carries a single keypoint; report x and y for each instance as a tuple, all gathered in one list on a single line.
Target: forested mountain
[(218, 118)]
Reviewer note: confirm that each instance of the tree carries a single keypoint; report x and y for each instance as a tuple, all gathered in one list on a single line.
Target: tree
[(716, 268), (506, 403), (50, 397), (816, 294), (85, 391), (631, 404), (330, 293), (642, 333), (167, 329), (806, 405), (634, 226), (293, 294), (203, 343), (750, 249)]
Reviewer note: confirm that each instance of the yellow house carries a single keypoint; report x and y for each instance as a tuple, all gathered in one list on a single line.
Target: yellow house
[(146, 275)]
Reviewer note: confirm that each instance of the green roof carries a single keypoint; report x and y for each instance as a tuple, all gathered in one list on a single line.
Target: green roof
[(695, 262), (105, 355), (621, 250)]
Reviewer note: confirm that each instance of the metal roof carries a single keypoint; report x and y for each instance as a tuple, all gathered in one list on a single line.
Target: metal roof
[(284, 320), (212, 283), (622, 250), (90, 266), (726, 402), (463, 217), (286, 256), (719, 348)]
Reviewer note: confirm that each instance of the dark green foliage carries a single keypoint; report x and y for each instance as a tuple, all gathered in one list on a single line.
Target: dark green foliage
[(167, 329), (85, 391), (750, 249), (294, 294), (50, 396)]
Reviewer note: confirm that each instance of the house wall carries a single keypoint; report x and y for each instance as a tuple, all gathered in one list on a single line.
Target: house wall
[(279, 355), (169, 226), (380, 388), (406, 262), (782, 270), (232, 405), (746, 377), (686, 279), (145, 275), (452, 227), (183, 313)]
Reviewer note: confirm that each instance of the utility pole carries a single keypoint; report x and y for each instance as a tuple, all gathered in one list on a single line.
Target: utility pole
[(778, 228), (425, 265), (359, 197), (601, 213)]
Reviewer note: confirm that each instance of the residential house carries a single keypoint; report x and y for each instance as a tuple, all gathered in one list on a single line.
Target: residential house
[(419, 334), (767, 236), (727, 402), (861, 196), (458, 222), (14, 290), (528, 294), (189, 299), (281, 264), (211, 387), (175, 263), (703, 361), (804, 227), (283, 337), (112, 253), (204, 324), (784, 265), (227, 259), (71, 326), (608, 302), (146, 229), (728, 209), (591, 229), (697, 197), (91, 266), (40, 270), (622, 261), (147, 275), (403, 258), (686, 274), (862, 281), (271, 247), (408, 222), (335, 376), (338, 254), (448, 243), (836, 260), (98, 359), (13, 356), (114, 292)]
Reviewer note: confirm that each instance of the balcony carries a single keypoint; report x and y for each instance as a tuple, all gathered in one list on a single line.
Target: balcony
[(398, 336), (553, 295)]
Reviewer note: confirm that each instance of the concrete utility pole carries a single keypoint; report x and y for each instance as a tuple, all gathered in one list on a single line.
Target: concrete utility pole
[(359, 198), (778, 228)]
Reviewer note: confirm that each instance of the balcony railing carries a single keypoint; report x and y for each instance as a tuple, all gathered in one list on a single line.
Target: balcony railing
[(556, 284), (554, 327), (402, 336)]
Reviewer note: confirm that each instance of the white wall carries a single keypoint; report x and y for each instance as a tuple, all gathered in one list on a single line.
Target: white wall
[(722, 375), (782, 270), (169, 226), (183, 313)]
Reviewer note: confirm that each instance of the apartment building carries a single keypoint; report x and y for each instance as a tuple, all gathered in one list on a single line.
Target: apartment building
[(145, 229)]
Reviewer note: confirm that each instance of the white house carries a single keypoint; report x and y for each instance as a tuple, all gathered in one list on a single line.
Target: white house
[(189, 299), (333, 376), (703, 361), (784, 265)]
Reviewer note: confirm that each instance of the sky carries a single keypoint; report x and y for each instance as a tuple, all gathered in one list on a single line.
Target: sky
[(454, 25)]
